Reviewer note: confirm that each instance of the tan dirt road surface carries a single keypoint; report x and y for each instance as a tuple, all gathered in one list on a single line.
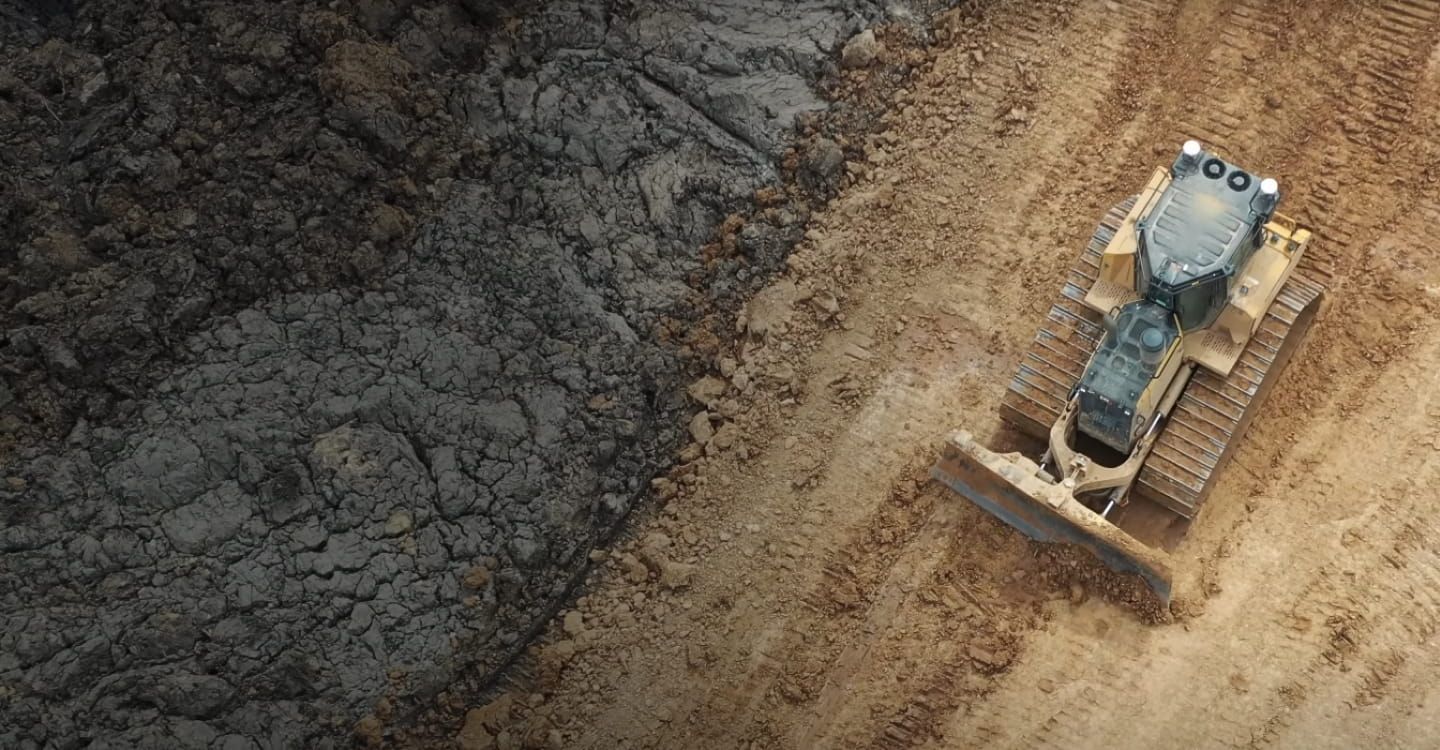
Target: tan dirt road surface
[(805, 586)]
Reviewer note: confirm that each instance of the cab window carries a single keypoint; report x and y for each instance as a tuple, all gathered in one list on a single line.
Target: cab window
[(1200, 304)]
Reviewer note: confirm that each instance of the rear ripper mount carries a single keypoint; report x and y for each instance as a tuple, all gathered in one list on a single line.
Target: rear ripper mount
[(1170, 329)]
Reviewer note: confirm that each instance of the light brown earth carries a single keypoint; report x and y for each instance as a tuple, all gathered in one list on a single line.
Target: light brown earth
[(838, 599)]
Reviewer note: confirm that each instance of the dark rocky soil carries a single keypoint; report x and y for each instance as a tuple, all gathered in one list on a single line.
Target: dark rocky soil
[(336, 335)]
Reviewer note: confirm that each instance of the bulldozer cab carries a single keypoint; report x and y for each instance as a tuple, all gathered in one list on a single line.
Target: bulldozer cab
[(1139, 337)]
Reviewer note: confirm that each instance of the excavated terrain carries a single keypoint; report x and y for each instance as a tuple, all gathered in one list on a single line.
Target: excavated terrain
[(802, 584), (338, 336)]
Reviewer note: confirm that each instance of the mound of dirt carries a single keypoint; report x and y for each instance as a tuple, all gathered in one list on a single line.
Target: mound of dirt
[(334, 333)]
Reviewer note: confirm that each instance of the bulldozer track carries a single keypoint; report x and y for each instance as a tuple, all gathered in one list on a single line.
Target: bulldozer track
[(1214, 411), (1212, 414), (1066, 339)]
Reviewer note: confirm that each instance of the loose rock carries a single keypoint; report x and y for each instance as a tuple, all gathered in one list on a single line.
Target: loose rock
[(701, 429), (861, 51), (822, 164), (635, 571), (675, 575), (707, 390)]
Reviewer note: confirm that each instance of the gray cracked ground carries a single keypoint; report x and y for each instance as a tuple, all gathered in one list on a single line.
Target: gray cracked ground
[(345, 490)]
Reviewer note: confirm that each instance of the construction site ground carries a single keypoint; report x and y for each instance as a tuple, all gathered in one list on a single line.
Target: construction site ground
[(801, 583)]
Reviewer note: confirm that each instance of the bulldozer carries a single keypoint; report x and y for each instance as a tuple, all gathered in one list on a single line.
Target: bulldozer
[(1167, 334)]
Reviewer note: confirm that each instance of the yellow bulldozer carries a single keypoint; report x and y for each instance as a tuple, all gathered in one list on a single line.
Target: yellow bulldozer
[(1165, 338)]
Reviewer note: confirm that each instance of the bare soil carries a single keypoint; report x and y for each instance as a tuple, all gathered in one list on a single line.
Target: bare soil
[(333, 337), (804, 585)]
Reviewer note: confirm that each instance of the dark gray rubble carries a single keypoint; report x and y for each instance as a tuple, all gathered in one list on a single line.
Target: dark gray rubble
[(359, 480)]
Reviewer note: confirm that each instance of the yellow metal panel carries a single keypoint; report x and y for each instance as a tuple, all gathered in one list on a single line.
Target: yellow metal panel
[(1116, 282)]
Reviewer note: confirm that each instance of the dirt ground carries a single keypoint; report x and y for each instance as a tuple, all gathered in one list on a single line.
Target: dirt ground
[(804, 585)]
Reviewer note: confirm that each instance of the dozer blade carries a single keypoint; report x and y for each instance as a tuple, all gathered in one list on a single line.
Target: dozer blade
[(1009, 487)]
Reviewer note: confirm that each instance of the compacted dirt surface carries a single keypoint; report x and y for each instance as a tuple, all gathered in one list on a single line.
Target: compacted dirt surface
[(800, 583)]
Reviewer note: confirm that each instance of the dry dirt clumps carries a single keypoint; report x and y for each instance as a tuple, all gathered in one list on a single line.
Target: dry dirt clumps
[(798, 536), (336, 337)]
